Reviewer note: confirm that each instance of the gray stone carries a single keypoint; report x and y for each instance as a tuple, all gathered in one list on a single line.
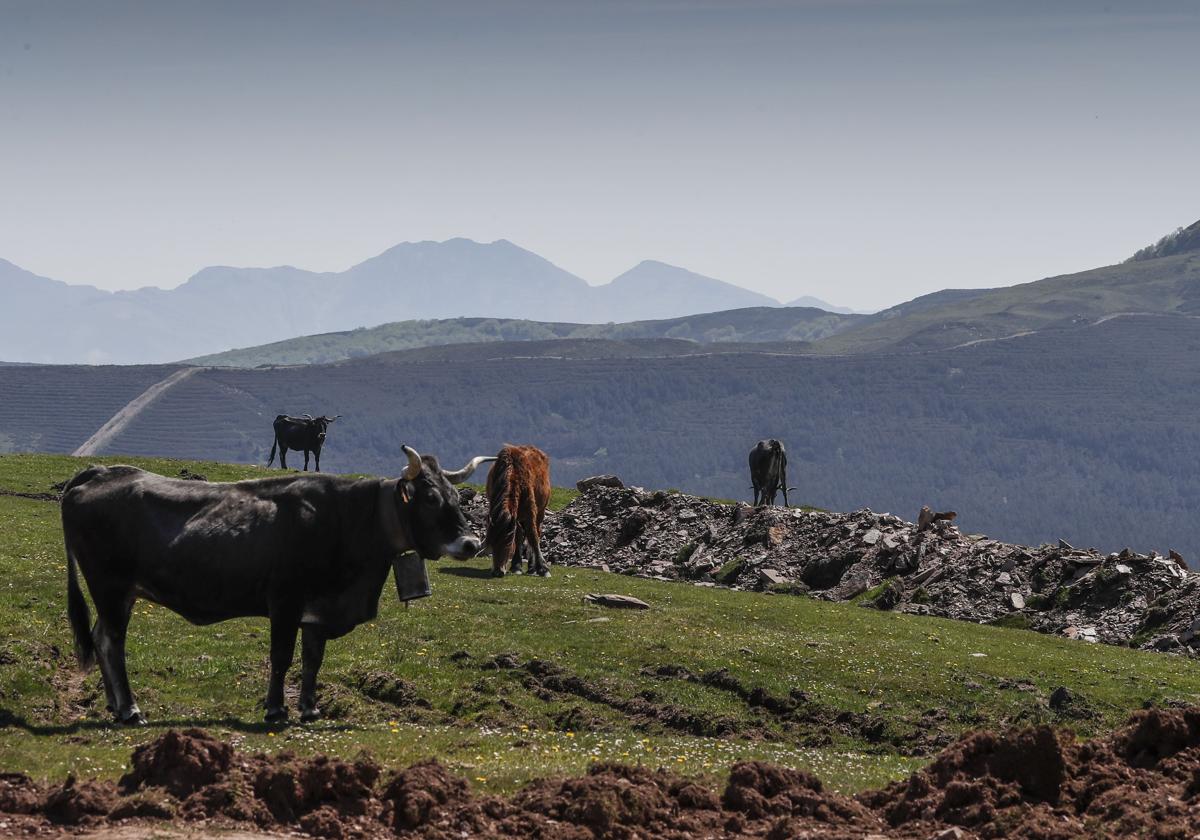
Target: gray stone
[(872, 536), (585, 484), (1017, 600), (770, 577), (627, 602)]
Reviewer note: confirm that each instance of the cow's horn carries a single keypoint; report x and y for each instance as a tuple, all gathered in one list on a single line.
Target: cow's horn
[(306, 416), (459, 476), (414, 464)]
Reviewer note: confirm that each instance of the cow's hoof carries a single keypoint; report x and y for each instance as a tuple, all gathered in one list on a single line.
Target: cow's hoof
[(276, 715), (544, 573), (133, 717), (309, 715), (497, 573)]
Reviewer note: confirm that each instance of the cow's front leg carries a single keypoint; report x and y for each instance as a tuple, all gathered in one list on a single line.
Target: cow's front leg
[(312, 652), (283, 648), (317, 458), (109, 636), (306, 460)]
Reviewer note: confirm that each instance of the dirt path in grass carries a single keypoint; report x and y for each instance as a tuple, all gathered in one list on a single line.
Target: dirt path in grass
[(121, 420)]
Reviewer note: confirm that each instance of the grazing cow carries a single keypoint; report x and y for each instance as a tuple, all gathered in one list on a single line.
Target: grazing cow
[(768, 472), (305, 433), (518, 490), (309, 553)]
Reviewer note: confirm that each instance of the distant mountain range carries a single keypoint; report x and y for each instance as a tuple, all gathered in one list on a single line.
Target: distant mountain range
[(1161, 279), (436, 293), (220, 308)]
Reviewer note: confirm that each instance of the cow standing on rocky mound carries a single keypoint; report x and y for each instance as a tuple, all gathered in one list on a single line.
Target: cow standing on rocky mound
[(308, 552), (768, 472), (518, 490)]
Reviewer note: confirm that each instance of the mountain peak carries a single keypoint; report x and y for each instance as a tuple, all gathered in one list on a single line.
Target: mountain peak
[(1180, 241)]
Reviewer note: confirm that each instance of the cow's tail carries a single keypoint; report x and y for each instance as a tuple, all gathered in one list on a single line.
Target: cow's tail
[(81, 620), (274, 445), (502, 509)]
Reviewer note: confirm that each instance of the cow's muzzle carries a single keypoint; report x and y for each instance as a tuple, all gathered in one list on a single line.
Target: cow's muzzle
[(463, 548)]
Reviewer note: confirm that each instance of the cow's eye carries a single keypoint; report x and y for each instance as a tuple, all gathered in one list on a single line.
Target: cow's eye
[(432, 499)]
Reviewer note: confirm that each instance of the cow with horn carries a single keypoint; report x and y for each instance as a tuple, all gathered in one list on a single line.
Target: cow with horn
[(304, 433), (310, 553)]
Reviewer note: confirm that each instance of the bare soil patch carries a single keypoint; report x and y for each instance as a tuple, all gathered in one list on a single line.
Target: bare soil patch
[(1143, 781)]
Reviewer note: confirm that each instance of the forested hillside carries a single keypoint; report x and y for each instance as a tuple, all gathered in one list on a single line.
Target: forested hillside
[(752, 325), (1084, 433)]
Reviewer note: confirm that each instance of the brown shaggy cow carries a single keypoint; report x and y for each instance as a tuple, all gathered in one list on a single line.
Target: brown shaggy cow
[(518, 489)]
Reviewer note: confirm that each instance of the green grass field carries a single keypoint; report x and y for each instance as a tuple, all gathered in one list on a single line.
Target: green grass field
[(854, 695)]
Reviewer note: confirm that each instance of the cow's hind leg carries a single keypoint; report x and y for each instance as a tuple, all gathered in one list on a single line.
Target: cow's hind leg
[(109, 636), (312, 652), (533, 539), (282, 457), (283, 649), (520, 553), (306, 460)]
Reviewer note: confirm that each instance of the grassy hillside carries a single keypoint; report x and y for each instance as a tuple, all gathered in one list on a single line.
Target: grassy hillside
[(868, 694), (758, 324), (1165, 285)]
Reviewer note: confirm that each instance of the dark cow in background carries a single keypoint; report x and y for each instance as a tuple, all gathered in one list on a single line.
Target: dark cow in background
[(768, 472), (518, 491), (309, 553), (305, 433)]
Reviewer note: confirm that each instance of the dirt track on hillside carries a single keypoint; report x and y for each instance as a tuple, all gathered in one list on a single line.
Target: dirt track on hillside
[(116, 424), (1143, 781)]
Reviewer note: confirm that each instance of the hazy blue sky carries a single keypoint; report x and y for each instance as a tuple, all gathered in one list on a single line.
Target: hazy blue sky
[(863, 152)]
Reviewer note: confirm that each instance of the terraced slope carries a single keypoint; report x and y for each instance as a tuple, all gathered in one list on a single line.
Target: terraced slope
[(57, 408)]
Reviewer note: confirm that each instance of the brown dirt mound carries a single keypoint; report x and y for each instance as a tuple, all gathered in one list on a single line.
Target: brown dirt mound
[(1038, 783), (178, 762), (1142, 781), (415, 795)]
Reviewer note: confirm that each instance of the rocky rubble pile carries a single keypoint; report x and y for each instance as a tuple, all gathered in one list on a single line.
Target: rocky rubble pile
[(1143, 600)]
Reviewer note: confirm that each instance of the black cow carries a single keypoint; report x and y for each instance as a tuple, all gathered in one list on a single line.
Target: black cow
[(305, 433), (307, 552), (768, 472)]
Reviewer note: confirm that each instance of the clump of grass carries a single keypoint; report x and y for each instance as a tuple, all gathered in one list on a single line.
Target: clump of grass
[(1013, 621), (728, 573)]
